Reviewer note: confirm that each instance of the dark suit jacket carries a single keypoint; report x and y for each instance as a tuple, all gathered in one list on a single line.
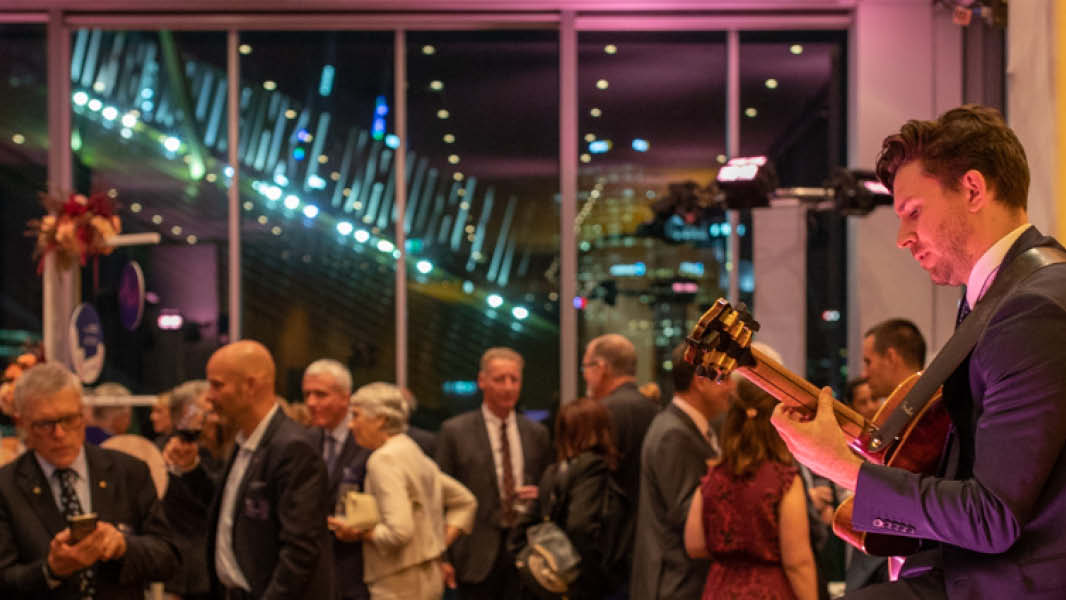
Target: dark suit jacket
[(426, 440), (999, 510), (122, 494), (464, 452), (279, 527), (675, 456), (350, 468), (631, 416)]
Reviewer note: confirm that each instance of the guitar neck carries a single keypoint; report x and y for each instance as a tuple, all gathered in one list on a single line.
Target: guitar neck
[(792, 390)]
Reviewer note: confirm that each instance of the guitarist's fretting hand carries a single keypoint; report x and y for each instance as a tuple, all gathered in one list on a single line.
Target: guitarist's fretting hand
[(819, 443)]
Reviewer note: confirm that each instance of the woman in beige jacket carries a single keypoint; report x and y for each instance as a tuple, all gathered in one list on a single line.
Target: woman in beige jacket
[(422, 509)]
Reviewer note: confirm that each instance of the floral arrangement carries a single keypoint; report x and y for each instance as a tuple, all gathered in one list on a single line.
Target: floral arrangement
[(11, 375), (77, 228)]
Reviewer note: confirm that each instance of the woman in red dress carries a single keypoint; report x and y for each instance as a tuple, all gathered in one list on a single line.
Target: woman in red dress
[(749, 515)]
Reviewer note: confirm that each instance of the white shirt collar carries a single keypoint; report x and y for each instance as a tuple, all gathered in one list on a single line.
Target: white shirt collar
[(495, 421), (984, 270), (339, 432), (252, 442), (79, 466), (697, 417)]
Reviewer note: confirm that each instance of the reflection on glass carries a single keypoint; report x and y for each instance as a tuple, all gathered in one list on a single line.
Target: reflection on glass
[(23, 173), (651, 238), (317, 165), (793, 83), (482, 213), (149, 129)]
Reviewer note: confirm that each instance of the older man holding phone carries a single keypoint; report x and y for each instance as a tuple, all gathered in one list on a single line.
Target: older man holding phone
[(51, 543)]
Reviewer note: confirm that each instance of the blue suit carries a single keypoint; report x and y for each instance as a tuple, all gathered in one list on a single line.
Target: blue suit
[(999, 509)]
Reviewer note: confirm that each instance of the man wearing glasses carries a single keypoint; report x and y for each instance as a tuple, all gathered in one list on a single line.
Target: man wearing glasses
[(59, 478)]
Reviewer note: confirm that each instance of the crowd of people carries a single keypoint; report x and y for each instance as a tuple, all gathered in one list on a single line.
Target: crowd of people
[(718, 492)]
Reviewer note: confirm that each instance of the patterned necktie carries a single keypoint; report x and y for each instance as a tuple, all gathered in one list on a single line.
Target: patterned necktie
[(509, 516), (71, 506), (331, 452)]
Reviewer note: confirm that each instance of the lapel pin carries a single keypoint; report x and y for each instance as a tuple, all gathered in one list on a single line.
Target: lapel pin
[(37, 490), (103, 484)]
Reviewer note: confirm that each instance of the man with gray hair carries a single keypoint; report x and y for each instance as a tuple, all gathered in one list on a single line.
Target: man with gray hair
[(610, 371), (62, 477), (499, 455), (327, 385)]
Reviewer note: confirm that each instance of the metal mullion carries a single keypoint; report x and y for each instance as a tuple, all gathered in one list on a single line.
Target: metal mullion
[(315, 22), (400, 123), (568, 150), (834, 20), (233, 71)]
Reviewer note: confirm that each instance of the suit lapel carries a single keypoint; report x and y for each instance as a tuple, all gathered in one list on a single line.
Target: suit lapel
[(528, 449), (258, 456), (31, 481), (481, 437), (101, 484), (687, 422)]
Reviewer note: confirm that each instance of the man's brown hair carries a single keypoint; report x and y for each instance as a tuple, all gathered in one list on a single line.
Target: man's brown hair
[(904, 337), (963, 138)]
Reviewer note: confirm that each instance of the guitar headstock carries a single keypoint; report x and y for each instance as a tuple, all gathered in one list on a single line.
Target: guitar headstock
[(721, 340)]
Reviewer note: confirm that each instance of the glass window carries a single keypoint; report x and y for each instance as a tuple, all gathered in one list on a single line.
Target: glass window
[(23, 175), (651, 238), (482, 213), (317, 149), (149, 130), (792, 98)]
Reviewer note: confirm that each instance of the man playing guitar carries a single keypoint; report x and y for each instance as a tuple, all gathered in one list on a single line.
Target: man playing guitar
[(994, 515)]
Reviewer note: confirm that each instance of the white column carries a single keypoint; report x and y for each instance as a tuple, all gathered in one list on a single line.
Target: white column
[(61, 288), (905, 63)]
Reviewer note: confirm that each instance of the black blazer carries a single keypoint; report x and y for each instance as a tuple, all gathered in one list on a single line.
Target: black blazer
[(349, 468), (999, 509), (464, 452), (279, 527), (122, 494)]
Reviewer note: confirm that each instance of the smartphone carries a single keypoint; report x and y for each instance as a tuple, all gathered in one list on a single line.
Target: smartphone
[(80, 527)]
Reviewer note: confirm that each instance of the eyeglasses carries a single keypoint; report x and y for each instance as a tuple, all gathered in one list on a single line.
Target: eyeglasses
[(589, 365), (47, 426)]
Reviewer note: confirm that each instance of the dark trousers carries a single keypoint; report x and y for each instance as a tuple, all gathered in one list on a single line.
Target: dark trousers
[(501, 583)]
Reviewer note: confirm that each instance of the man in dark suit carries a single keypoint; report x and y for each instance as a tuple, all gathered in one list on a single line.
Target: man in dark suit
[(499, 455), (267, 535), (327, 386), (993, 516), (61, 476), (610, 368), (679, 443)]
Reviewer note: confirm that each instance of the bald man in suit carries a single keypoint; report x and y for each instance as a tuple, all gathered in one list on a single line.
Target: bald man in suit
[(267, 536)]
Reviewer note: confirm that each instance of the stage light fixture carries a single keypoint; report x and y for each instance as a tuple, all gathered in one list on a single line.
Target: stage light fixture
[(747, 182)]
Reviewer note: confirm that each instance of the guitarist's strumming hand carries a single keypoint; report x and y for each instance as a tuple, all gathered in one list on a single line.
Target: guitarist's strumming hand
[(819, 443)]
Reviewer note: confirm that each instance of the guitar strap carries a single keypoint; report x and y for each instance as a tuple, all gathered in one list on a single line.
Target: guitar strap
[(962, 342)]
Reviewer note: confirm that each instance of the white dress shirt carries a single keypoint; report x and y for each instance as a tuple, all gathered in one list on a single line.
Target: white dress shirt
[(229, 572), (81, 482), (985, 269), (492, 425)]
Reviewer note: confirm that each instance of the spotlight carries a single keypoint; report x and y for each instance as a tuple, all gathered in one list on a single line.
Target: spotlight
[(857, 192), (747, 182)]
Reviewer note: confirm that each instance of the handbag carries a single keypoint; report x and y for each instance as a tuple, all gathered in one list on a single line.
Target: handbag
[(548, 564), (360, 510)]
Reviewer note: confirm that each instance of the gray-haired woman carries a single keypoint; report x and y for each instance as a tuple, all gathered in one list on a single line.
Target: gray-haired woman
[(422, 509)]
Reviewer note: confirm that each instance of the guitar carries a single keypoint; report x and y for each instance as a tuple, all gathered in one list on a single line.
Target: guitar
[(720, 343)]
